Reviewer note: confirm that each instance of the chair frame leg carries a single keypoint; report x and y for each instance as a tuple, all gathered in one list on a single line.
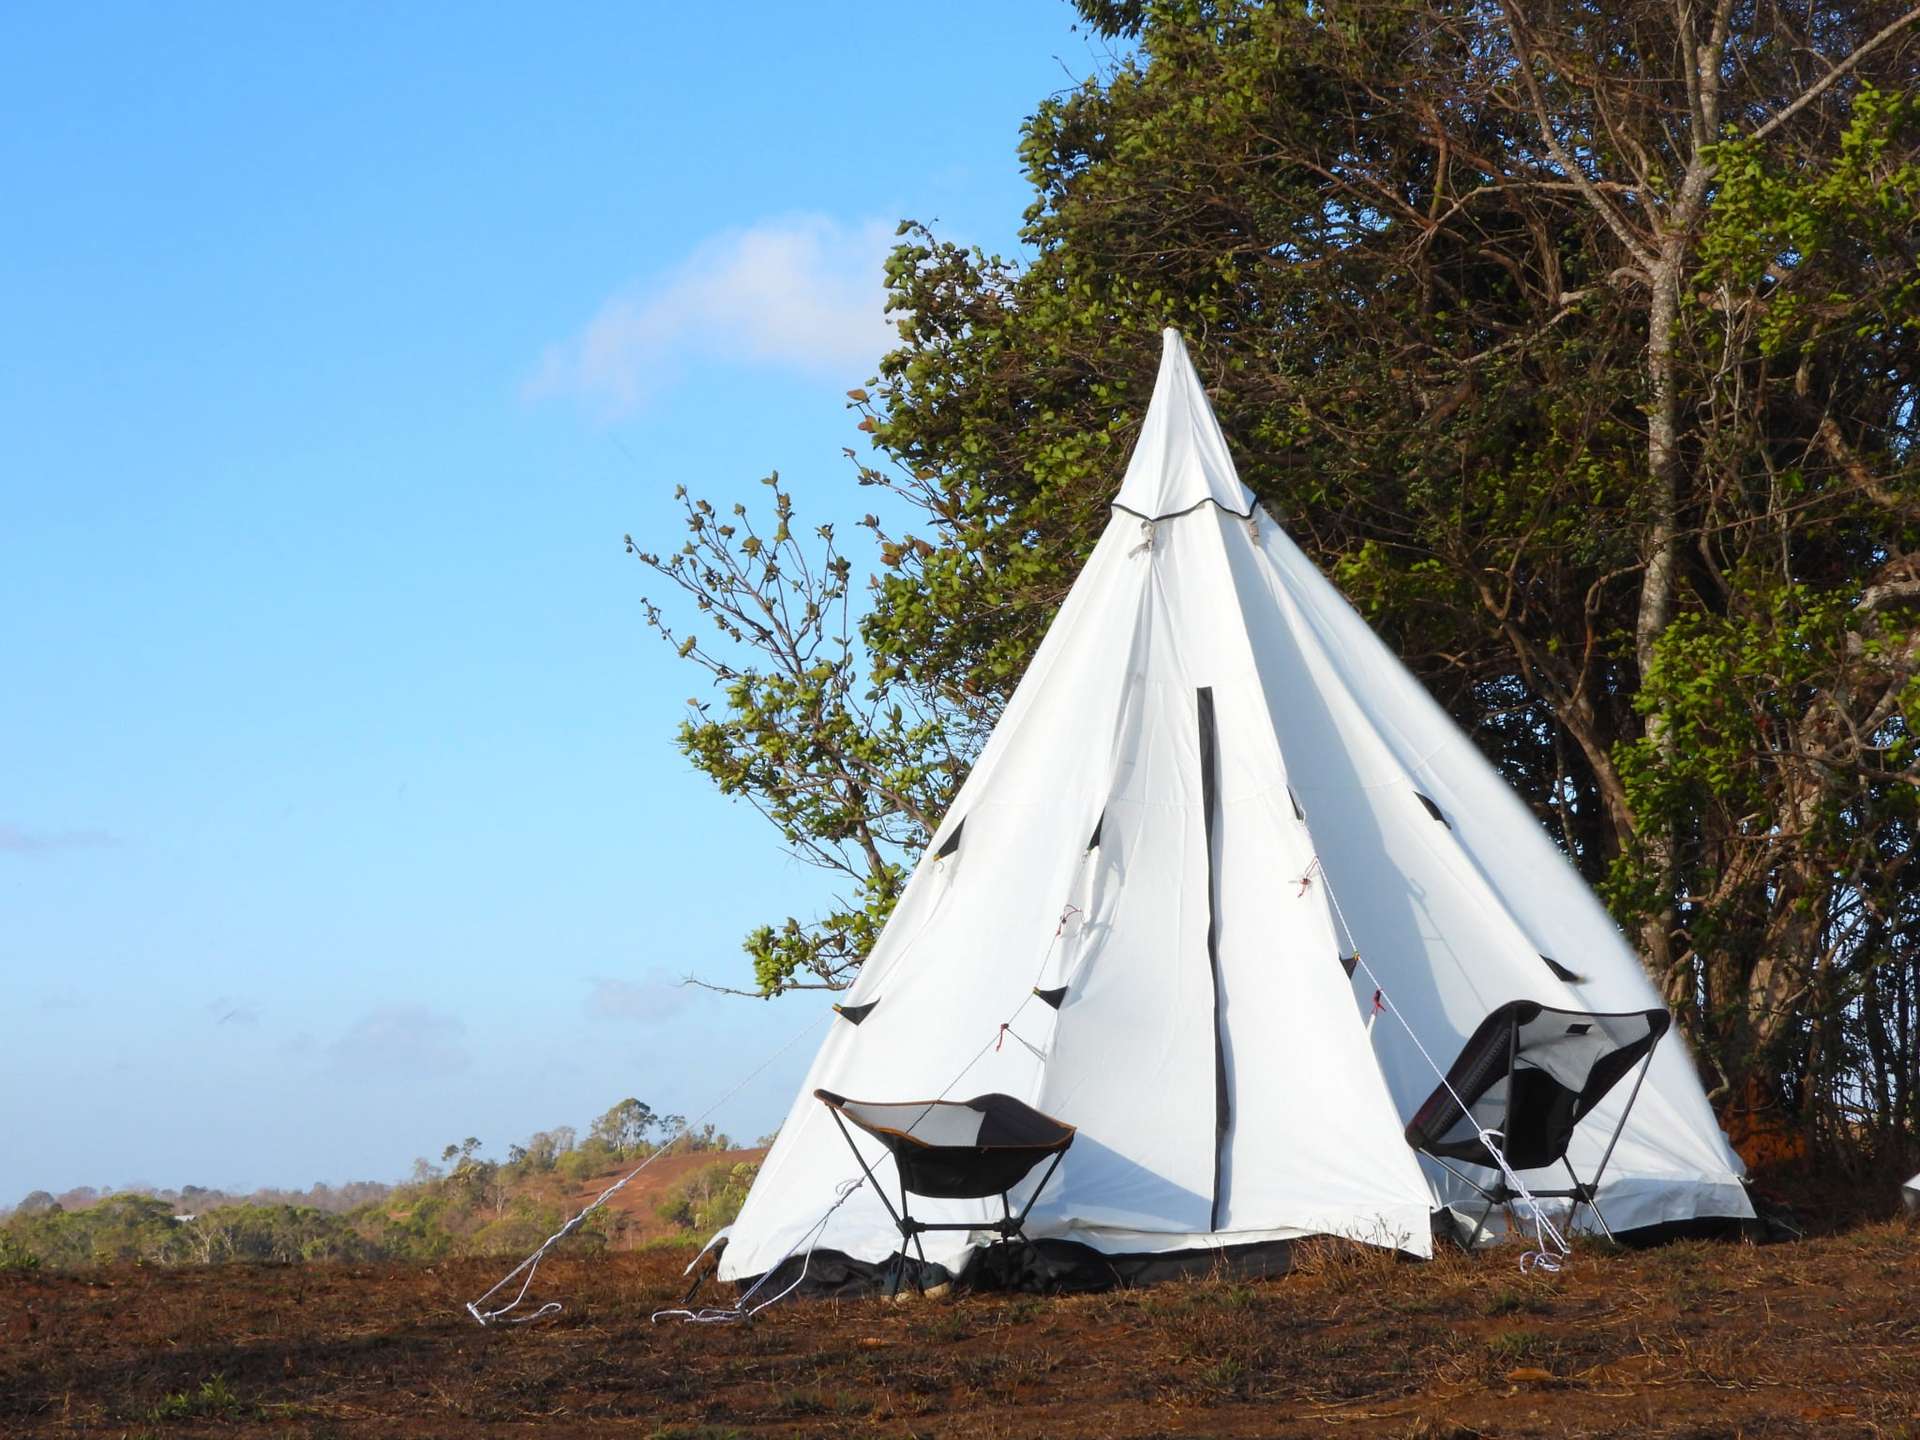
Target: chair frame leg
[(1586, 1192), (1479, 1224), (1590, 1191), (1008, 1226), (910, 1230), (900, 1218), (1492, 1197), (1018, 1223)]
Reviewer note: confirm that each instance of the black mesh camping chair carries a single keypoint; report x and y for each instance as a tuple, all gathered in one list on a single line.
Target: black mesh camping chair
[(955, 1150), (1526, 1079)]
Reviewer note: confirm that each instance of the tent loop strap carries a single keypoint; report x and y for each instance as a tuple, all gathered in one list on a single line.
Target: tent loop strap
[(531, 1264), (1006, 1029), (743, 1309), (1146, 539), (1550, 1246)]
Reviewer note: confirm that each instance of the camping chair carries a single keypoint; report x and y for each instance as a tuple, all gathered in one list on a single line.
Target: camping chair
[(1526, 1079), (955, 1150)]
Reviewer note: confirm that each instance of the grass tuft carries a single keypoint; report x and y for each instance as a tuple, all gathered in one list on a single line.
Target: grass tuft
[(214, 1400)]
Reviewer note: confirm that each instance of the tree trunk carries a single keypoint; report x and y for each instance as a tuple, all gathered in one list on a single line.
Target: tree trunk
[(1657, 586)]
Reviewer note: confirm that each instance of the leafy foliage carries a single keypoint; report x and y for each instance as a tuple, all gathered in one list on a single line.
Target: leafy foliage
[(852, 774), (710, 1197), (625, 1127), (1589, 373)]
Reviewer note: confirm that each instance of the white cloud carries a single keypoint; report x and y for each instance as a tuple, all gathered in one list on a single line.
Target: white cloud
[(401, 1040), (14, 840), (803, 293), (648, 1001)]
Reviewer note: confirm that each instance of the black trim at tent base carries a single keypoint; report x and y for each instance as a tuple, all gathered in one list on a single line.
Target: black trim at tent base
[(1696, 1227), (833, 1275), (1024, 1267), (1066, 1267), (1456, 1226)]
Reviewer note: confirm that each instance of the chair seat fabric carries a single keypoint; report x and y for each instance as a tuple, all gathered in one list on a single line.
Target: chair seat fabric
[(958, 1149), (1528, 1075)]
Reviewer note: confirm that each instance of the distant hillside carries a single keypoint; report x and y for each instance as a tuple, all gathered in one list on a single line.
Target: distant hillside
[(189, 1199), (466, 1204)]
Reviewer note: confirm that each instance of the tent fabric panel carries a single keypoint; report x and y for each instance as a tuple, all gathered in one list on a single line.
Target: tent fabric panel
[(1145, 1151), (1418, 905), (1043, 752), (1181, 462), (934, 1034), (968, 938), (1497, 844), (1315, 1143)]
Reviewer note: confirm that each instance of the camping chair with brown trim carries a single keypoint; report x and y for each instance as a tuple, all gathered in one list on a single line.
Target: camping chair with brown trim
[(954, 1150), (1524, 1081)]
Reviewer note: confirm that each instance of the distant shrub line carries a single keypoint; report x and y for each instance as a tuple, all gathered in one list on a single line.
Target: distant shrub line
[(465, 1205)]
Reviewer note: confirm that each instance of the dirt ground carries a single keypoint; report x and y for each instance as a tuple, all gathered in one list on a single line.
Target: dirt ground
[(1697, 1339)]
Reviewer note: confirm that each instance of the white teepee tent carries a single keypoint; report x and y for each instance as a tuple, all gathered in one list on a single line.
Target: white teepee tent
[(1214, 783)]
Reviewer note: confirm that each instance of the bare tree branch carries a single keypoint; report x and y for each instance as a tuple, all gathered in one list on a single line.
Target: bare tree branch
[(1826, 81)]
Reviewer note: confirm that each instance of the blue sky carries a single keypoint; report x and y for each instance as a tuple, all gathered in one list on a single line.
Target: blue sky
[(339, 814)]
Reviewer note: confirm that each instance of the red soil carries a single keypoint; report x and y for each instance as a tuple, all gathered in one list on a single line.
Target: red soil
[(638, 1200), (1696, 1339)]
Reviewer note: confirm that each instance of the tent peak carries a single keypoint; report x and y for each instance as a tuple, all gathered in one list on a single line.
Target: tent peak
[(1181, 461)]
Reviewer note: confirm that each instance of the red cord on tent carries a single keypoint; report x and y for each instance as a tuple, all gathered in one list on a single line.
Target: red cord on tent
[(1306, 880)]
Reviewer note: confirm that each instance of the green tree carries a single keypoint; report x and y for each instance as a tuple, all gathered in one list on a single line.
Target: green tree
[(852, 772), (542, 1150), (625, 1126), (708, 1198), (1579, 347)]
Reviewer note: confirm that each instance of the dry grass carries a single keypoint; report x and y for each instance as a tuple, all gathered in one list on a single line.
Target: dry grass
[(1695, 1339)]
